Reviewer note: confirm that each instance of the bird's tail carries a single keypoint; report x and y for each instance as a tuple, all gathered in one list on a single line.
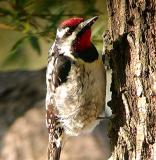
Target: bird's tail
[(55, 132)]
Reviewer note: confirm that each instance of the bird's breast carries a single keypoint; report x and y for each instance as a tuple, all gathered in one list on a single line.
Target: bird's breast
[(81, 99)]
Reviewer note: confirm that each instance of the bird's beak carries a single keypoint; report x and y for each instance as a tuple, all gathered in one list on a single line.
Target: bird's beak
[(88, 23)]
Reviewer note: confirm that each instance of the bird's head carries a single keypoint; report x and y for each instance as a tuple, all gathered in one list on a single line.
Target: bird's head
[(76, 33)]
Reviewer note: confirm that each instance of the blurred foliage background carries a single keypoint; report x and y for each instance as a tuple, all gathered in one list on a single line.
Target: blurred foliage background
[(28, 27)]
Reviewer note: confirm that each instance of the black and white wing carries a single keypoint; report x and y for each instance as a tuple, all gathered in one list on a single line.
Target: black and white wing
[(57, 70)]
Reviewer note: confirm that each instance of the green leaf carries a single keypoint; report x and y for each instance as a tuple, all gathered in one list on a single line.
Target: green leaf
[(12, 56), (20, 3), (35, 43), (5, 11), (15, 51), (53, 21), (18, 43)]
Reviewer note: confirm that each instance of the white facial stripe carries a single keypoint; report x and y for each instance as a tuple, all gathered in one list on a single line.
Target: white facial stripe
[(66, 45), (61, 33)]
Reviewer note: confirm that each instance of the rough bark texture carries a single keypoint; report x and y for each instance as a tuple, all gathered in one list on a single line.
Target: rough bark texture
[(131, 45)]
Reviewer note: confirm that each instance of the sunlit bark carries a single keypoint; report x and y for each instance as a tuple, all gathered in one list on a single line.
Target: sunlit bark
[(131, 45)]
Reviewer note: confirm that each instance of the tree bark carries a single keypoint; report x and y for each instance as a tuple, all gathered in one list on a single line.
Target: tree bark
[(131, 45)]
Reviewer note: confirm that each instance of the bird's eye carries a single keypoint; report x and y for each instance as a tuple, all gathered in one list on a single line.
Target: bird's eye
[(69, 32)]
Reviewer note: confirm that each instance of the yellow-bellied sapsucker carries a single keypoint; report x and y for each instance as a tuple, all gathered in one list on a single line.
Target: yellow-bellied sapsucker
[(75, 84)]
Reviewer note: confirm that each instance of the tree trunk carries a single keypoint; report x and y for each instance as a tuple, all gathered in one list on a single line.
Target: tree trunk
[(131, 46)]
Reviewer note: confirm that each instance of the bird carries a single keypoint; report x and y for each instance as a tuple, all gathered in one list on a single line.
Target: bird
[(76, 84)]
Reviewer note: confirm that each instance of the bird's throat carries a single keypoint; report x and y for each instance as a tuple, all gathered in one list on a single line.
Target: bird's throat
[(83, 42)]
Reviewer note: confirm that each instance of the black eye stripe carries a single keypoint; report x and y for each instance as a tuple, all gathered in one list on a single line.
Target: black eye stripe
[(70, 31)]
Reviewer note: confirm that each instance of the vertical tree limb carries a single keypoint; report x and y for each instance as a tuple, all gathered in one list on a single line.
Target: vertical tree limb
[(132, 30)]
